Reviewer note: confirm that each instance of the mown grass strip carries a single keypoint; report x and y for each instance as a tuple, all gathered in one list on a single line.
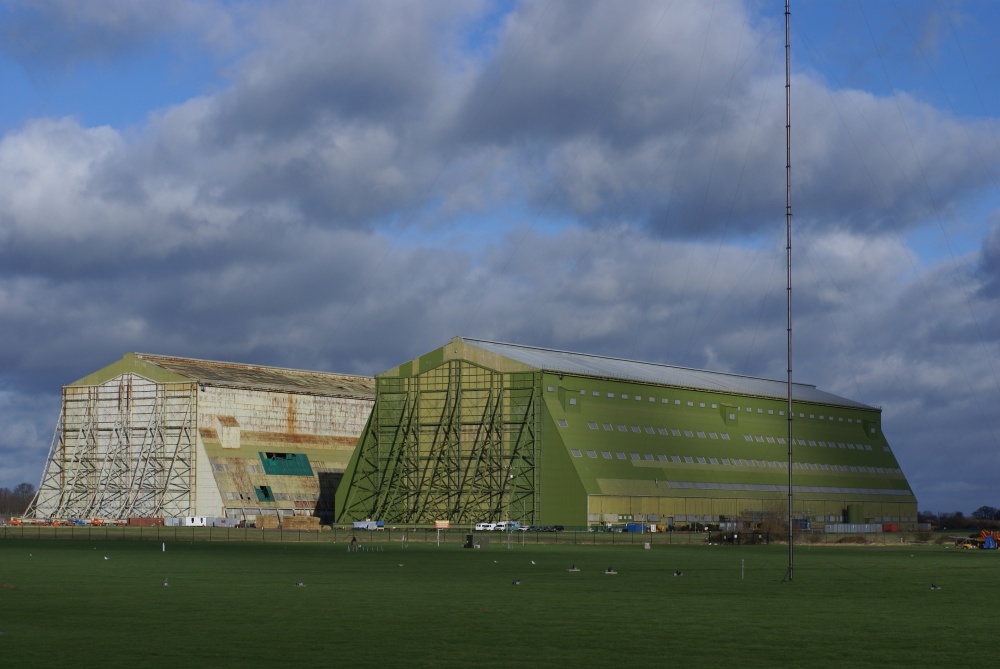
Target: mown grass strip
[(237, 605)]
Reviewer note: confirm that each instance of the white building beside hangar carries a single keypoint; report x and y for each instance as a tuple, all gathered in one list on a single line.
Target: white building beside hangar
[(157, 436)]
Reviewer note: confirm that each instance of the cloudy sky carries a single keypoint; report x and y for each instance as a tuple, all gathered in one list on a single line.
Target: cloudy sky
[(346, 185)]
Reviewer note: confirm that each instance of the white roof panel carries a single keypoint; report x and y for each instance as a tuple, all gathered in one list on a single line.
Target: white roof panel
[(583, 364)]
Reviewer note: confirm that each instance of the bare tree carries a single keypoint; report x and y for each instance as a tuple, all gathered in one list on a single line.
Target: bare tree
[(15, 502), (986, 513)]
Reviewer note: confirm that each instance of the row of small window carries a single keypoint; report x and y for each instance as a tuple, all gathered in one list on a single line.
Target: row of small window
[(862, 469), (839, 419), (277, 496), (712, 435), (637, 398), (649, 430), (702, 405), (770, 487), (257, 511), (738, 462), (803, 442)]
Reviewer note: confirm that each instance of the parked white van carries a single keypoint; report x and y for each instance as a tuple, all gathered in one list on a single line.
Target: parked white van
[(485, 527), (507, 526)]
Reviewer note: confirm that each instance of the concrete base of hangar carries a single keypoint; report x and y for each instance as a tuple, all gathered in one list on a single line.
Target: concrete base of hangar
[(679, 511)]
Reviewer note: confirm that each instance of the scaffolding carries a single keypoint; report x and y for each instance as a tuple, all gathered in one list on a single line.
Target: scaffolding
[(122, 449), (454, 443)]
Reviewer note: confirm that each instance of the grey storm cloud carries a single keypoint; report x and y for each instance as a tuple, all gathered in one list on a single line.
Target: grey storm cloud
[(989, 268), (62, 34), (352, 62), (347, 115), (562, 70)]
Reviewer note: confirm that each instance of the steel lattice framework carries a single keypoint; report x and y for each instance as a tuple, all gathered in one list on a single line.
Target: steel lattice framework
[(121, 449), (456, 442)]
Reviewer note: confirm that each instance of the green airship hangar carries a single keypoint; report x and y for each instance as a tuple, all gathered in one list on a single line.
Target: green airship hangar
[(483, 431)]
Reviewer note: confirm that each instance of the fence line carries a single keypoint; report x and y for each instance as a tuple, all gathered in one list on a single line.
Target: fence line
[(417, 535), (337, 534)]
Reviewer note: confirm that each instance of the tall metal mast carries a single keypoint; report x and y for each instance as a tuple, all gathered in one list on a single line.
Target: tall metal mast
[(788, 262)]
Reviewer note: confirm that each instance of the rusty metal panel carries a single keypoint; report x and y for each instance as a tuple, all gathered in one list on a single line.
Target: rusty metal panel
[(236, 425), (265, 378)]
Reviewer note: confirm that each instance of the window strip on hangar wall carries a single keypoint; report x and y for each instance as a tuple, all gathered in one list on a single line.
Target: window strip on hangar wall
[(709, 509)]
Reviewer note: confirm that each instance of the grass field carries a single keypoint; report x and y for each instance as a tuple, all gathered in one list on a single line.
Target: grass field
[(63, 604)]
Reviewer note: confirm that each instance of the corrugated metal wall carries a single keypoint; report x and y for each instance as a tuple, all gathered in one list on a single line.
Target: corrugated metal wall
[(130, 447), (244, 433)]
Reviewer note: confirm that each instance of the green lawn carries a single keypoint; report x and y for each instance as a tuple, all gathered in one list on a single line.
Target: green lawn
[(62, 604)]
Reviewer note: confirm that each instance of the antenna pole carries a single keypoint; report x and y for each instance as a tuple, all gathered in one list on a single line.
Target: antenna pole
[(788, 262)]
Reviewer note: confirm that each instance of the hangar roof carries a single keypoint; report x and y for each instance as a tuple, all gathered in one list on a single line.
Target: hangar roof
[(583, 364), (162, 368)]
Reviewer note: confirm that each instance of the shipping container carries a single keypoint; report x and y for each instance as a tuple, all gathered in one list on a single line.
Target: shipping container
[(145, 522), (852, 528), (223, 522)]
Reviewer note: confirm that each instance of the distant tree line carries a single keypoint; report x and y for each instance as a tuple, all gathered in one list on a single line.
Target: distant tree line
[(15, 502), (985, 517)]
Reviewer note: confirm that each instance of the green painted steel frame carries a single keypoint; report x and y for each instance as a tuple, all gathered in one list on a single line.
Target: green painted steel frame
[(456, 442)]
